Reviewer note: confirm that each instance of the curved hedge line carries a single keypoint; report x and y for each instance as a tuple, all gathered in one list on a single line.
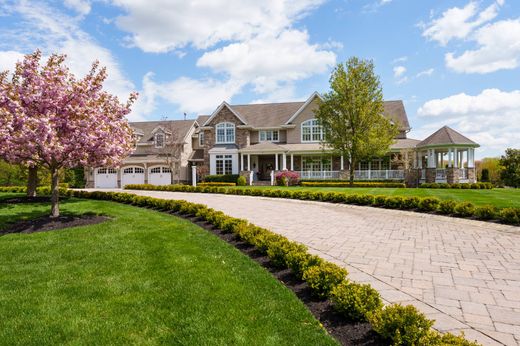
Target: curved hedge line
[(42, 190), (474, 186), (422, 204), (401, 325), (355, 184)]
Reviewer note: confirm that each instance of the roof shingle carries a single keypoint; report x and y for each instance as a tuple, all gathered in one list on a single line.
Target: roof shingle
[(446, 136)]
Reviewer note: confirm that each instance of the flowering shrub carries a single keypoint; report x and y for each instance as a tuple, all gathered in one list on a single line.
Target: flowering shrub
[(287, 178)]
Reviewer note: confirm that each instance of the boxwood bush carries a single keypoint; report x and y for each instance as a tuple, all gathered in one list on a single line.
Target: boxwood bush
[(355, 301), (457, 186), (221, 178), (322, 278)]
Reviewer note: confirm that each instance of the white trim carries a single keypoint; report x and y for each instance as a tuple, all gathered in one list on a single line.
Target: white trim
[(309, 100), (267, 141), (311, 132), (226, 128), (219, 108)]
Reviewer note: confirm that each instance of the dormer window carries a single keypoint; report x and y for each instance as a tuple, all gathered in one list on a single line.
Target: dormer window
[(269, 136), (225, 133), (312, 131), (159, 140)]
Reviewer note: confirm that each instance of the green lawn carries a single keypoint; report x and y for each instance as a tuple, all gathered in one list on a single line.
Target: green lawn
[(143, 277), (498, 197)]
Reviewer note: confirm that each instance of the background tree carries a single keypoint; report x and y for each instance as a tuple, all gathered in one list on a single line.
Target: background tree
[(511, 162), (352, 114), (49, 118), (172, 149), (492, 164)]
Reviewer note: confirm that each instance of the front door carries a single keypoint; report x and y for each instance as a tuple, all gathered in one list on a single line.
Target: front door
[(265, 166)]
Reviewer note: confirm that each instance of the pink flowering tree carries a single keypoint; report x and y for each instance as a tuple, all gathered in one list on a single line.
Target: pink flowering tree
[(49, 118)]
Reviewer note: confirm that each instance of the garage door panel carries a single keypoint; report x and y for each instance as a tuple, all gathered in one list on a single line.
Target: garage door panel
[(106, 178), (132, 175), (159, 176)]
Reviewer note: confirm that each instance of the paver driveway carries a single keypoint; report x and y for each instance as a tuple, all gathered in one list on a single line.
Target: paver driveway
[(464, 274)]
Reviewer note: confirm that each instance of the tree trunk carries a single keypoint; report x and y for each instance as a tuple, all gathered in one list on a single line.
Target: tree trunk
[(351, 171), (55, 193), (32, 181)]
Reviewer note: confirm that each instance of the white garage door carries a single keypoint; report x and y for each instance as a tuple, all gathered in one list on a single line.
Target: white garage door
[(106, 178), (160, 176), (132, 175)]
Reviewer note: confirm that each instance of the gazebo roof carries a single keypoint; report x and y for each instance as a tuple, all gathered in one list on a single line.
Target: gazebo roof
[(446, 136)]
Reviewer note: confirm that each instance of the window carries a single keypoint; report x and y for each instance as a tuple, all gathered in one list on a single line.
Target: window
[(316, 164), (159, 140), (201, 138), (166, 170), (102, 171), (225, 133), (155, 170), (269, 136), (112, 171), (312, 131), (224, 164), (128, 170), (138, 170)]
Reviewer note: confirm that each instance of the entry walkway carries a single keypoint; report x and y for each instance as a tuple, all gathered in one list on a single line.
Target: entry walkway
[(464, 274)]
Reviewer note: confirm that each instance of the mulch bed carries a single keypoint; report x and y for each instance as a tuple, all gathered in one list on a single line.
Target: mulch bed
[(46, 223), (347, 333)]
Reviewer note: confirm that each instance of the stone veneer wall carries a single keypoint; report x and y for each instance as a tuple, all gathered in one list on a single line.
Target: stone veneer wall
[(241, 135), (452, 175), (430, 175)]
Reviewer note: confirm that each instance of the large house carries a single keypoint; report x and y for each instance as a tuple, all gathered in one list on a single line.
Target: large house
[(257, 140)]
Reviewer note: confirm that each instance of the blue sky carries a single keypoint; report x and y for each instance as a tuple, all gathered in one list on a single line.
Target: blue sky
[(451, 62)]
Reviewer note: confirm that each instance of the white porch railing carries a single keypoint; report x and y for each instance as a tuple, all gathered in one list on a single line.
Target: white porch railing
[(440, 174), (383, 174), (319, 174), (423, 174)]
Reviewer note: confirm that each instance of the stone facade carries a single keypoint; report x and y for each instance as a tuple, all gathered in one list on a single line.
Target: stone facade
[(452, 175), (411, 177), (430, 175)]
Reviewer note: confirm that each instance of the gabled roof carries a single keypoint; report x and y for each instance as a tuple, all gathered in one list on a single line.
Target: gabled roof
[(201, 119), (180, 128), (219, 108), (446, 136), (394, 110), (267, 114), (303, 106)]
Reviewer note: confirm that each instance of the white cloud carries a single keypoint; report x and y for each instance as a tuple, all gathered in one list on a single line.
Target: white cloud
[(400, 59), (8, 59), (82, 7), (499, 48), (427, 72), (258, 44), (399, 71), (47, 29), (203, 24), (267, 61), (374, 6), (191, 95), (458, 23), (491, 118)]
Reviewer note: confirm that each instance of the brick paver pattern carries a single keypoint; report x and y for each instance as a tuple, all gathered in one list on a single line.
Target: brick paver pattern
[(465, 274)]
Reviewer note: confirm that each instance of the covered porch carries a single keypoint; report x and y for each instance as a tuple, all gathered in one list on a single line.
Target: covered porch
[(261, 165)]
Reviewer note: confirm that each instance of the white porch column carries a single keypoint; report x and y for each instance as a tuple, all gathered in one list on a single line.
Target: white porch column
[(419, 159), (284, 161), (275, 162), (369, 168), (342, 163), (194, 175), (450, 164), (456, 158), (471, 158), (248, 162), (292, 162), (241, 158)]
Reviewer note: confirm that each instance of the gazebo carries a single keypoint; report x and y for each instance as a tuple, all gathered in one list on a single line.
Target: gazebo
[(446, 157)]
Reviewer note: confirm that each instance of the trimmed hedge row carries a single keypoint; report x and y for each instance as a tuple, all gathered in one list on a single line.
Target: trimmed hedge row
[(355, 184), (217, 184), (467, 186), (402, 325), (42, 190), (422, 204)]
